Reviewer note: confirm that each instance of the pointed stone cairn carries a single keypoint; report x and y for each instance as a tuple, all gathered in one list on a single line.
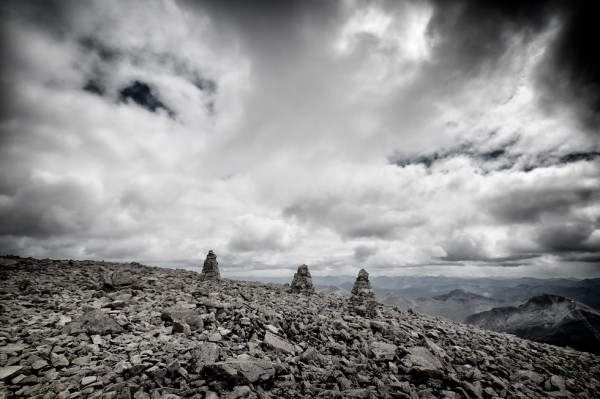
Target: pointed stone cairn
[(362, 287), (303, 281), (363, 297), (210, 270)]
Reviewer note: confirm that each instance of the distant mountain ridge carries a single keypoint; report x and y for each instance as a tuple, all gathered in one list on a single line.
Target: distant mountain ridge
[(511, 290), (455, 305), (546, 318), (460, 295)]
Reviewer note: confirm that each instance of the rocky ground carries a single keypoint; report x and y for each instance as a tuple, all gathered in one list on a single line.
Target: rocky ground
[(73, 329)]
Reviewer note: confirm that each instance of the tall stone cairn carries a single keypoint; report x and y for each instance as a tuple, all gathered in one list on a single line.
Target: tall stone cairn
[(303, 281), (362, 287), (363, 298), (210, 270)]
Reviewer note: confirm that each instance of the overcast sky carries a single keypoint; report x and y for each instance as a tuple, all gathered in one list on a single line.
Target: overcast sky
[(403, 137)]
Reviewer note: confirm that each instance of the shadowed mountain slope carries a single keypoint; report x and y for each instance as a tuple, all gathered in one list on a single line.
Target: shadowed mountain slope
[(546, 318)]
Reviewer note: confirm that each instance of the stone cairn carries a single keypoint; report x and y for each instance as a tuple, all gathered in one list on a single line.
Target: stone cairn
[(210, 270), (303, 281), (362, 286), (363, 297)]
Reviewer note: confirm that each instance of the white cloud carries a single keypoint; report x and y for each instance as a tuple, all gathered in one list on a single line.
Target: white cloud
[(286, 160)]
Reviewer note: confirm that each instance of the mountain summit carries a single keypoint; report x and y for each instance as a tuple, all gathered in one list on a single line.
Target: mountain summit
[(546, 318), (156, 333)]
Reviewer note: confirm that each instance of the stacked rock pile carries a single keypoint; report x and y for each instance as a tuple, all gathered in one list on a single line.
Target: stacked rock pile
[(363, 297), (302, 281), (210, 269), (107, 330)]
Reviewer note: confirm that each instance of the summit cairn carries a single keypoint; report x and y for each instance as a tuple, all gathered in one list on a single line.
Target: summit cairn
[(362, 287), (303, 281), (210, 270), (363, 298)]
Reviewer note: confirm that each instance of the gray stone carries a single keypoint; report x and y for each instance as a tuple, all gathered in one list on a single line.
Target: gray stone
[(13, 348), (215, 337), (6, 372), (528, 375), (206, 353), (239, 392), (423, 363), (183, 315), (88, 380), (242, 371), (182, 327), (557, 383), (39, 364), (59, 360), (278, 343), (93, 322), (118, 279), (356, 393), (383, 351)]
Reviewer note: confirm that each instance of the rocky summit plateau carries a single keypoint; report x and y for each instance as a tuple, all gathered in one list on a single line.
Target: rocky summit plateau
[(91, 329)]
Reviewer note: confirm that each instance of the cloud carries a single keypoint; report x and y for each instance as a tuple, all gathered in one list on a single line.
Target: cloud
[(50, 205), (362, 252), (547, 192), (260, 234), (568, 237), (397, 135)]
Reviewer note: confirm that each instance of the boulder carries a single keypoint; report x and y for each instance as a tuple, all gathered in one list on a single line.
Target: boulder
[(423, 363), (383, 351), (178, 314)]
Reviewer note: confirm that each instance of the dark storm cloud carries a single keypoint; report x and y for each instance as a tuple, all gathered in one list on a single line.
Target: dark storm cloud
[(568, 237), (49, 208), (474, 38), (473, 33), (528, 204), (497, 158)]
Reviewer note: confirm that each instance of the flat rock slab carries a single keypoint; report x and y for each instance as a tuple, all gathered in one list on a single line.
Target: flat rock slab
[(419, 356), (383, 351), (279, 344), (93, 322), (12, 348), (241, 371), (7, 371)]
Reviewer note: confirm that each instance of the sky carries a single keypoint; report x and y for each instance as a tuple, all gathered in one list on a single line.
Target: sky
[(453, 138)]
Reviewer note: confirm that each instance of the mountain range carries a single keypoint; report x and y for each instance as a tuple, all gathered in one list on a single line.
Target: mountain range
[(455, 305), (546, 318), (511, 290)]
